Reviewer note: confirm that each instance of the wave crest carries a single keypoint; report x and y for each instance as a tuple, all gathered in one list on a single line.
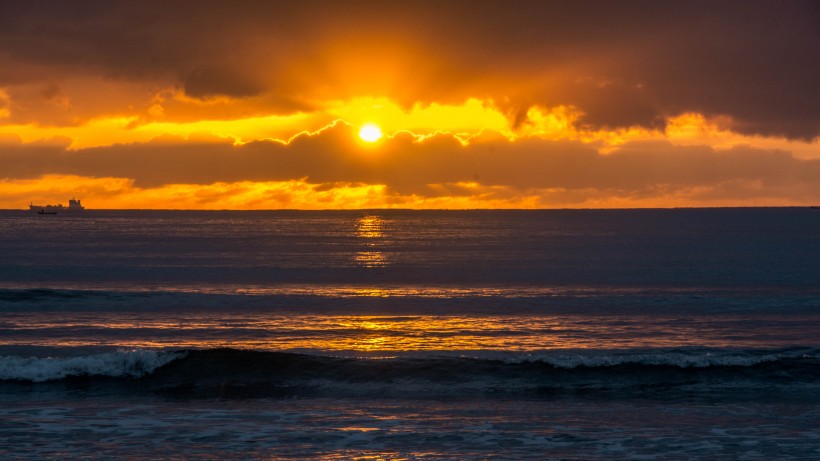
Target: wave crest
[(232, 373), (131, 363)]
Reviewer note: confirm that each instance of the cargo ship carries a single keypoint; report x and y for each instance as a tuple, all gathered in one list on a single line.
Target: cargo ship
[(74, 206)]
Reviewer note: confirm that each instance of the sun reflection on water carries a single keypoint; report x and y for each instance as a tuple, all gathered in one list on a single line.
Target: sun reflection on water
[(371, 229), (370, 258), (370, 335)]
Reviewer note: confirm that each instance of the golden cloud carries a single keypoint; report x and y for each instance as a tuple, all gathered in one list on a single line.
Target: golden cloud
[(332, 168)]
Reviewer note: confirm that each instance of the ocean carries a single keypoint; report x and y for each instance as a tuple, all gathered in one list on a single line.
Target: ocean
[(398, 335)]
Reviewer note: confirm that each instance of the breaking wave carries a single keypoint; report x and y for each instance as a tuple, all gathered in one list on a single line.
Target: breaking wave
[(232, 373), (131, 364)]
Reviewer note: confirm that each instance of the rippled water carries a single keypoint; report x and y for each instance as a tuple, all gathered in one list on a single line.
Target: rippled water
[(651, 334)]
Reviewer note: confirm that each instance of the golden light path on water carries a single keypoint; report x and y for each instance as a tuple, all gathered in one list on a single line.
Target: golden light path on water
[(375, 335), (371, 230)]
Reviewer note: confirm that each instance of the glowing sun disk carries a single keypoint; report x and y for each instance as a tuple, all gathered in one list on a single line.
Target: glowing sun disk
[(370, 132)]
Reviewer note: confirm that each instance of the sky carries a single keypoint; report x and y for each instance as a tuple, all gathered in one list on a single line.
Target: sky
[(466, 104)]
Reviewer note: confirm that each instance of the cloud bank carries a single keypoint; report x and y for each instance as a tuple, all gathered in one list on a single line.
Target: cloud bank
[(403, 171), (488, 103)]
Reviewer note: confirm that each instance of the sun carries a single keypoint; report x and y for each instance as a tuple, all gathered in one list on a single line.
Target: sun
[(370, 132)]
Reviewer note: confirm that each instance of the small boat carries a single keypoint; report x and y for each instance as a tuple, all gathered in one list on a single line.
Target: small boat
[(74, 206)]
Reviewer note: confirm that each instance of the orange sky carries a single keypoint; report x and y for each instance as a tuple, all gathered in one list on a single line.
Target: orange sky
[(252, 105)]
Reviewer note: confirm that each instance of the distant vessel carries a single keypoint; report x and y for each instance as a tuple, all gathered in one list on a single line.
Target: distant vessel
[(74, 206)]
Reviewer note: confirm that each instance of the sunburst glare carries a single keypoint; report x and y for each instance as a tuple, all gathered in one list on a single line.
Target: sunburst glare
[(370, 132)]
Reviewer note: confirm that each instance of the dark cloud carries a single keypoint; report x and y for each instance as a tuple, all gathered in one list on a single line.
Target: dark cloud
[(210, 81), (622, 63)]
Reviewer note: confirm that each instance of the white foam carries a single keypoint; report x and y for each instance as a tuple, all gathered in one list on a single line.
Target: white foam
[(130, 363)]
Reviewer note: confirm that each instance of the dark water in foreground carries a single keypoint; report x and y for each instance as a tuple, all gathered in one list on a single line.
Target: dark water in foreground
[(628, 334)]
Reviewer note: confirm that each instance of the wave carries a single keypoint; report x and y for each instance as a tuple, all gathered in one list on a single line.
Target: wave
[(39, 294), (227, 373), (377, 298), (132, 364)]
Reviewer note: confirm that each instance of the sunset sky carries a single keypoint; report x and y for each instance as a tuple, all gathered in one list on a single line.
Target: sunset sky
[(493, 104)]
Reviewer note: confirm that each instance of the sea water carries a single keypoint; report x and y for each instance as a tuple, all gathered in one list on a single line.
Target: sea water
[(566, 334)]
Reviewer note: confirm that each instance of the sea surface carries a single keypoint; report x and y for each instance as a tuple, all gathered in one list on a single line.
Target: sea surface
[(397, 335)]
